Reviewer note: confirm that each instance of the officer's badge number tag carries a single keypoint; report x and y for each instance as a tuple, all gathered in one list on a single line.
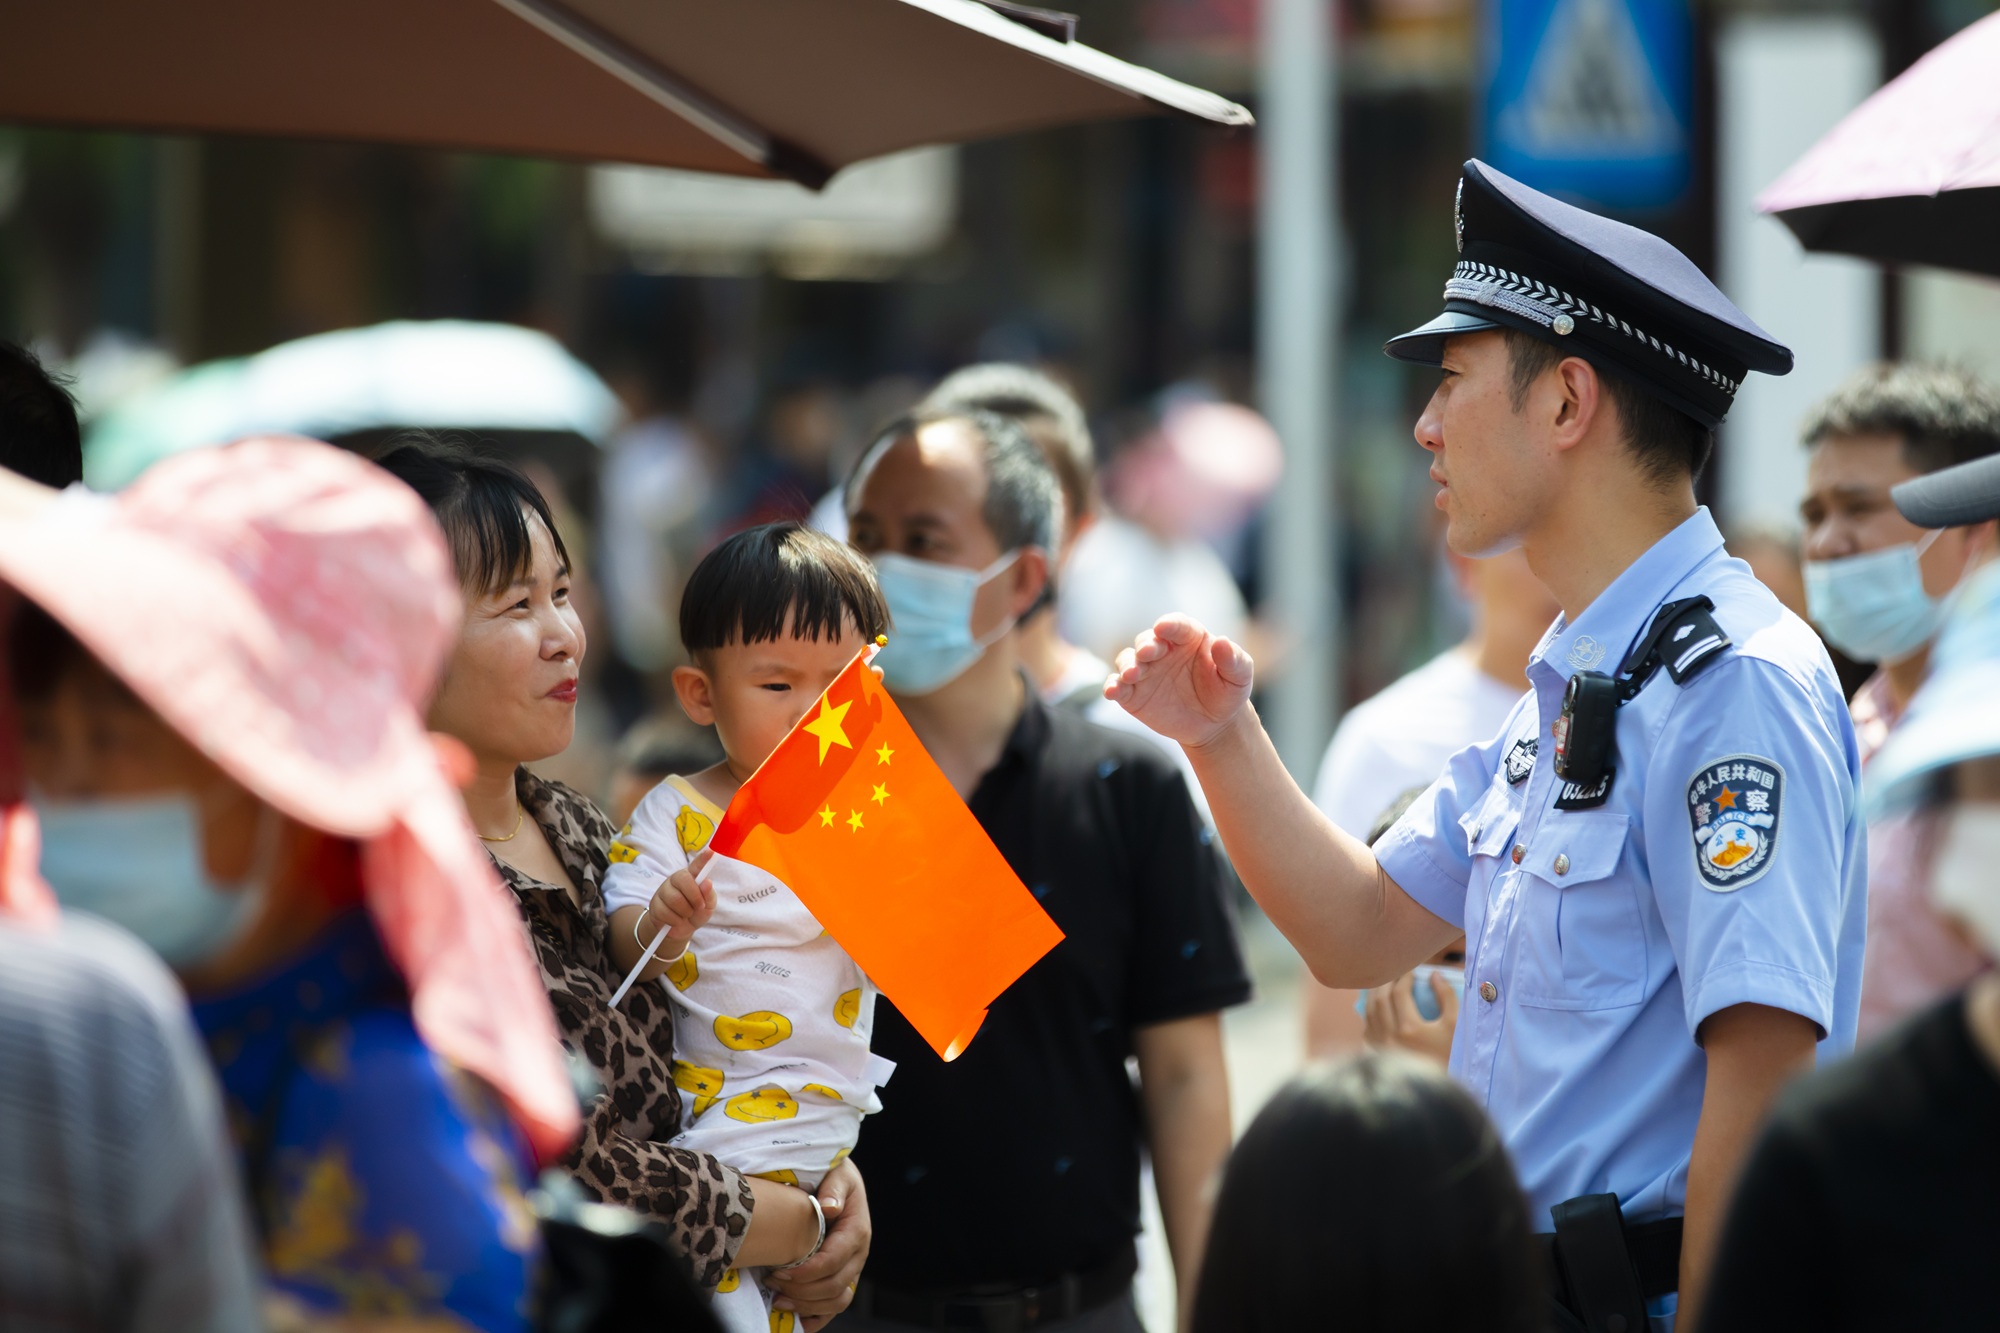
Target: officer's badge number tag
[(1733, 808), (1576, 796), (1520, 760)]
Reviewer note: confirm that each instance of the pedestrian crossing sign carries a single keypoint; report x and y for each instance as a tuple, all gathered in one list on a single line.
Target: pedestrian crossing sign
[(1590, 99)]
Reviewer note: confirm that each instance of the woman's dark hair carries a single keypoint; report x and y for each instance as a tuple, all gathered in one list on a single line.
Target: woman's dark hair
[(39, 437), (1367, 1196), (478, 500), (780, 578)]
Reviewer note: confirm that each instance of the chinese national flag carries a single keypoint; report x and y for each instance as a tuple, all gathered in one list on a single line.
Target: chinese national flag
[(852, 814)]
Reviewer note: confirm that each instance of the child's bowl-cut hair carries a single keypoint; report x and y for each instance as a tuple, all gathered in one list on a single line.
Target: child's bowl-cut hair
[(775, 580)]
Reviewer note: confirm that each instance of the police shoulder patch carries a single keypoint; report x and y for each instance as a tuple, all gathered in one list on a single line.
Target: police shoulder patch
[(1733, 809)]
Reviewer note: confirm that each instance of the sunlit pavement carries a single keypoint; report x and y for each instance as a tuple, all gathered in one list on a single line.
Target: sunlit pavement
[(1264, 1042)]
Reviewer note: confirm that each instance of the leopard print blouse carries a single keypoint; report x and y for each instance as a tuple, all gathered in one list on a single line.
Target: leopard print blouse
[(623, 1157)]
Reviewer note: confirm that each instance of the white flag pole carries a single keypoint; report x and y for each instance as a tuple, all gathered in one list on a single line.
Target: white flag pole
[(640, 966), (632, 977)]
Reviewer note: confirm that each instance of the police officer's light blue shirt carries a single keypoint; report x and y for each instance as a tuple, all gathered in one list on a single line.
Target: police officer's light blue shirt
[(1726, 867)]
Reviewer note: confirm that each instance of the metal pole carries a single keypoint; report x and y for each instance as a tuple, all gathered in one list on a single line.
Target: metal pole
[(1298, 366)]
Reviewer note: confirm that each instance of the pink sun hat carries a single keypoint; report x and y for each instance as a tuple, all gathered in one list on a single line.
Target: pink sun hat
[(287, 608)]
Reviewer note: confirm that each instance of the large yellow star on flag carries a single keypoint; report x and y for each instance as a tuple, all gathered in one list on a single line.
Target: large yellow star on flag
[(827, 727)]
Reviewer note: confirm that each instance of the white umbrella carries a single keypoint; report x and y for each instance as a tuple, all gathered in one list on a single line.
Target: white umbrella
[(437, 373)]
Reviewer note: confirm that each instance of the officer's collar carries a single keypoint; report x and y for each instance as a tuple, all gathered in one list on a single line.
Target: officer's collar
[(1599, 638)]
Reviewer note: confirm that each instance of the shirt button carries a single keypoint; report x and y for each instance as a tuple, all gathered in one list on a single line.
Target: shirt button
[(1488, 991), (1562, 863), (1519, 852)]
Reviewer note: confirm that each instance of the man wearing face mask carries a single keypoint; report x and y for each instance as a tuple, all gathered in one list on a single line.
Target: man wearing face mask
[(1877, 586), (1870, 1201), (1008, 1192)]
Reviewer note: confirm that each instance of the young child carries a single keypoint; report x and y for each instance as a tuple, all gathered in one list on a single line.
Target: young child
[(773, 1016)]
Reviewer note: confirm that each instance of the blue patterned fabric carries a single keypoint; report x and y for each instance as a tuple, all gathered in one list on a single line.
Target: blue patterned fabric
[(387, 1183)]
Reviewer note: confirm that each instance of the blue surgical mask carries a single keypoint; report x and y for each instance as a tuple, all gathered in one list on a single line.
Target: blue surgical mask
[(1873, 607), (931, 642), (139, 862)]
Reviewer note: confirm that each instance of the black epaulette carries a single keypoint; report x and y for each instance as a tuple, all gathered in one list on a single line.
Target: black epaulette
[(1684, 638)]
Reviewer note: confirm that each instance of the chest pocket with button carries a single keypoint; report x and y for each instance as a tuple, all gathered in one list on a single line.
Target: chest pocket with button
[(1490, 824), (1580, 942)]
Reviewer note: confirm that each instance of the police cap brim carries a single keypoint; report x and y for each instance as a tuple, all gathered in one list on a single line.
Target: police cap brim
[(1425, 346), (1966, 493)]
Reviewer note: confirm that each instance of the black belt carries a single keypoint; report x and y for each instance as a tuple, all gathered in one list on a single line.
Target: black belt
[(1000, 1308), (1655, 1249)]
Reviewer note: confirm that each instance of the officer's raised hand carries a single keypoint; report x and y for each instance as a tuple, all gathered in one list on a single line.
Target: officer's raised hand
[(1351, 923), (1182, 681)]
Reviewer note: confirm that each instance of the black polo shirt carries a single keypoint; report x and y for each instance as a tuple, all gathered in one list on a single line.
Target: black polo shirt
[(1019, 1161)]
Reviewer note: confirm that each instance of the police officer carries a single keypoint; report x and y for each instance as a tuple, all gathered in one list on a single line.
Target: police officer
[(1658, 863)]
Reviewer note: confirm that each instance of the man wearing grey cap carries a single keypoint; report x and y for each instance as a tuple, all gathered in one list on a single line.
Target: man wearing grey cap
[(1877, 589), (1658, 863), (1869, 1200)]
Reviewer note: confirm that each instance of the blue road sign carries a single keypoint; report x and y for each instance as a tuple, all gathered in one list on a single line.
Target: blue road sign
[(1591, 99)]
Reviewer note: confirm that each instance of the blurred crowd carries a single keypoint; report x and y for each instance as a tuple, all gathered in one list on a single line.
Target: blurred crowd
[(1161, 506), (309, 749)]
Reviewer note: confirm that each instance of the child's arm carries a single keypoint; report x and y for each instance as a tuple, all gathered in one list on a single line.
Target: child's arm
[(681, 903)]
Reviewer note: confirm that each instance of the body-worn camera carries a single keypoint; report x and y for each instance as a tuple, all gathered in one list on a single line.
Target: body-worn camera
[(1684, 638), (1583, 733)]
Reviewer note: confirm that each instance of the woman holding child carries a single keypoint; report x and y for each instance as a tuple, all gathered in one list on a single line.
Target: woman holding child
[(509, 693)]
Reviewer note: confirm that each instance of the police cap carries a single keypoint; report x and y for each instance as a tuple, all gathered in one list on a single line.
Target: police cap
[(1620, 298)]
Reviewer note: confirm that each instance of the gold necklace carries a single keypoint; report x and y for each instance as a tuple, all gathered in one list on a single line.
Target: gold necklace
[(520, 814)]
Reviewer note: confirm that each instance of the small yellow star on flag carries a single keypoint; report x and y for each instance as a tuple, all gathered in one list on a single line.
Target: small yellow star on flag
[(943, 942), (827, 727)]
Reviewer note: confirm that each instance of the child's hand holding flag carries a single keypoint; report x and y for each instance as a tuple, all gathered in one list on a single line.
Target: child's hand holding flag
[(683, 903), (853, 815)]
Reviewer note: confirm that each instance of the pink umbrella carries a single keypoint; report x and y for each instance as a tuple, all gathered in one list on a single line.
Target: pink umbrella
[(1912, 175)]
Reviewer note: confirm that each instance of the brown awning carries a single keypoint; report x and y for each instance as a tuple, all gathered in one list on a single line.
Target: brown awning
[(794, 88)]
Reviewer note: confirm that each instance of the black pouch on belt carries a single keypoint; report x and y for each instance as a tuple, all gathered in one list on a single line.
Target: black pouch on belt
[(1598, 1282)]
